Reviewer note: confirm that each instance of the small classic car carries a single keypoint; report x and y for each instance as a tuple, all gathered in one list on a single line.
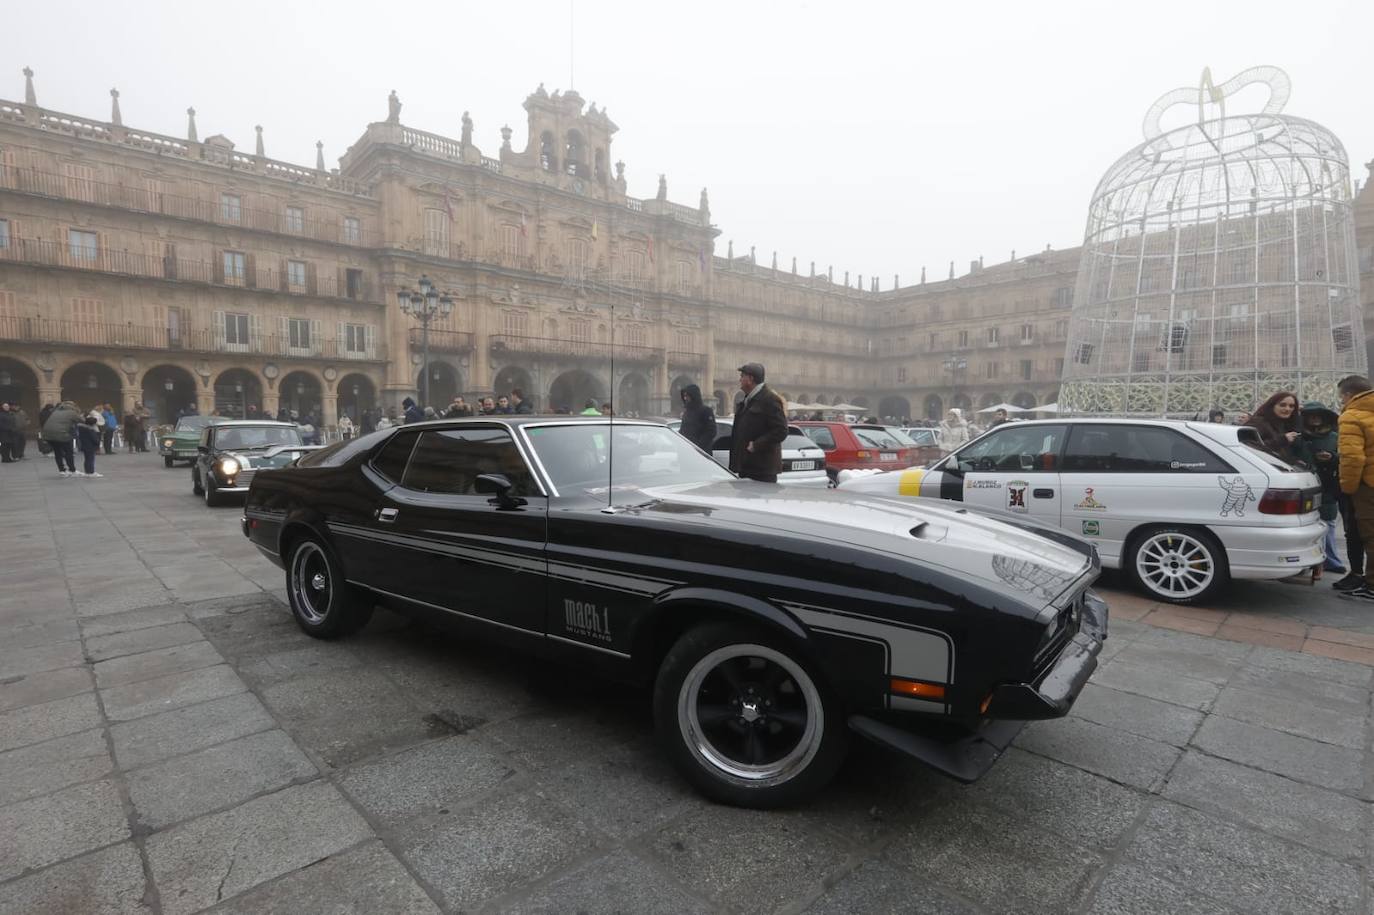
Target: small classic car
[(769, 621), (177, 442), (231, 452)]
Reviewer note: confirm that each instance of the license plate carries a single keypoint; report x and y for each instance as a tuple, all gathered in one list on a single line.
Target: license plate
[(887, 456), (803, 465)]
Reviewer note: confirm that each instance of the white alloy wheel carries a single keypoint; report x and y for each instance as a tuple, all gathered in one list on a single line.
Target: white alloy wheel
[(1177, 565)]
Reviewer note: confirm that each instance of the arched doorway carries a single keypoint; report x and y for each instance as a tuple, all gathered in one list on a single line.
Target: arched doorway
[(19, 385), (356, 394), (444, 382), (633, 396), (236, 390), (894, 407), (675, 393), (963, 402), (300, 394), (861, 402), (167, 391), (1024, 399), (513, 376), (935, 407), (571, 390), (89, 383)]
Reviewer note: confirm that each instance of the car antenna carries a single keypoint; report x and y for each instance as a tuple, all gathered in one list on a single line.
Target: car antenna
[(610, 428)]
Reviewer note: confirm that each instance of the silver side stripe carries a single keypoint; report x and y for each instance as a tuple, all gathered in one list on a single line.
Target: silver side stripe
[(914, 652), (264, 514)]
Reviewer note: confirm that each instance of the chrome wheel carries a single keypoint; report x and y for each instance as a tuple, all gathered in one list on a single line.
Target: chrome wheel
[(310, 583), (1175, 565), (751, 714)]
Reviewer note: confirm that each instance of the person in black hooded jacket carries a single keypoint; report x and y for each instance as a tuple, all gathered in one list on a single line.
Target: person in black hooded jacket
[(698, 420)]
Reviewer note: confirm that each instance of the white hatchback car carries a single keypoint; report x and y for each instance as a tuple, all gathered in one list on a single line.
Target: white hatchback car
[(803, 461), (1182, 507)]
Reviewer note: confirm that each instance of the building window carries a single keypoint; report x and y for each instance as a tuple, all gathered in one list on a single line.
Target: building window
[(992, 369), (1027, 333), (684, 276), (88, 312), (684, 341), (230, 207), (930, 343), (355, 339), (4, 233), (236, 330), (1063, 297), (515, 324), (352, 230), (298, 333), (1083, 353), (353, 283), (295, 219), (1059, 367), (82, 246), (80, 182), (1218, 355), (901, 374), (1061, 329), (436, 233), (510, 240), (234, 268), (1026, 368), (994, 334), (577, 257), (1140, 362), (580, 330), (636, 266), (295, 274), (635, 335), (963, 339), (1341, 336)]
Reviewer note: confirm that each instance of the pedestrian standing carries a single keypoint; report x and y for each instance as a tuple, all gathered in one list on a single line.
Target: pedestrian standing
[(413, 412), (58, 431), (1318, 448), (1278, 422), (1355, 455), (88, 438), (109, 422), (698, 419), (954, 431), (518, 402), (503, 406), (345, 426), (8, 433), (759, 429), (384, 422), (21, 431)]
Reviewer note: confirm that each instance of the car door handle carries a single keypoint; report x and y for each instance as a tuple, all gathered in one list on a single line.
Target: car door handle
[(387, 514), (1043, 493)]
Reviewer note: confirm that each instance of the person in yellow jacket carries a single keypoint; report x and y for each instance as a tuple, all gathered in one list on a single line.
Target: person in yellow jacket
[(1355, 448)]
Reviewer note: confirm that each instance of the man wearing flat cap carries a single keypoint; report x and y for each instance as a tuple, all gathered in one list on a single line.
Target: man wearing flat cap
[(760, 427)]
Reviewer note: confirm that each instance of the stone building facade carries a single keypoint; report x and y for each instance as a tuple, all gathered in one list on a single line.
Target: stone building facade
[(138, 267)]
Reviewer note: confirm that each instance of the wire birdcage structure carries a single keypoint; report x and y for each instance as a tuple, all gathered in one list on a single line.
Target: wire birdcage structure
[(1218, 264)]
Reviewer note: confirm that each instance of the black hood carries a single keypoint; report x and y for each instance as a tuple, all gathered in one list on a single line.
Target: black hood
[(693, 394)]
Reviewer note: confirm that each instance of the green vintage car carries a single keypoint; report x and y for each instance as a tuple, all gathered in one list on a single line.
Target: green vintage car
[(178, 442)]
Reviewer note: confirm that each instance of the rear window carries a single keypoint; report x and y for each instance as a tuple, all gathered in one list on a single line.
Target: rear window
[(821, 435), (390, 462), (1123, 448), (340, 453), (450, 461), (798, 442), (922, 436)]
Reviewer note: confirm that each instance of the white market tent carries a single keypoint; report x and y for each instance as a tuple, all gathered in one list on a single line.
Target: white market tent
[(1009, 407)]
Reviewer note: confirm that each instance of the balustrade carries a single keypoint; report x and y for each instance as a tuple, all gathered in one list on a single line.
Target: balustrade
[(47, 331), (586, 349)]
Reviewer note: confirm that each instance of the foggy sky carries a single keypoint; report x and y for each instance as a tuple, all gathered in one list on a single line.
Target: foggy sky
[(875, 137)]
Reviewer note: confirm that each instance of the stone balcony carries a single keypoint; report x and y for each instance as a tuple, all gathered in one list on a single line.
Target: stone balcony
[(441, 341), (574, 349)]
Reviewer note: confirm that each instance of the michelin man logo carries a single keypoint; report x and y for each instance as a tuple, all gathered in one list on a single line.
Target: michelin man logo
[(1238, 492)]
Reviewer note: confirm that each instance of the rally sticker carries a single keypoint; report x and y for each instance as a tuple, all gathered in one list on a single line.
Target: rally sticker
[(1091, 528), (981, 484), (1089, 504), (1016, 495)]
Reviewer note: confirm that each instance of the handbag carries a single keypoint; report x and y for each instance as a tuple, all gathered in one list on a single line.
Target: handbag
[(44, 446)]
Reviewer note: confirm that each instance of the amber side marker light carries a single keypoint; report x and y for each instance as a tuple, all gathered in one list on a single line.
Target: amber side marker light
[(917, 689), (983, 708)]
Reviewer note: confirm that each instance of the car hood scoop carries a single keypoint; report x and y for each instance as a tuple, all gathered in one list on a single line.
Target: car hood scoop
[(1038, 563)]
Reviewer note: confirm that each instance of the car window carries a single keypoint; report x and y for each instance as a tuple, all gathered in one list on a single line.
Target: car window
[(390, 462), (722, 443), (876, 438), (922, 436), (725, 430), (244, 437), (905, 440), (576, 457), (450, 460), (340, 453), (192, 423), (1018, 447), (821, 435), (1137, 449)]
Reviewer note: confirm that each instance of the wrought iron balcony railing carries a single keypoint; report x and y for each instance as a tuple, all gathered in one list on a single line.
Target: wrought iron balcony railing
[(29, 329), (577, 349)]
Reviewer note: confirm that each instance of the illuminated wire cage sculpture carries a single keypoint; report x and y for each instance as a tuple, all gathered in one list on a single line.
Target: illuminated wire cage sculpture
[(1218, 264)]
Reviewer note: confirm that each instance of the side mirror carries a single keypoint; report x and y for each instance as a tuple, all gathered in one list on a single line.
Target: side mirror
[(499, 485), (203, 449)]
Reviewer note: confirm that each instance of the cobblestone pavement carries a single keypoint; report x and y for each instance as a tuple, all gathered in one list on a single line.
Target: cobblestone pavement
[(170, 742)]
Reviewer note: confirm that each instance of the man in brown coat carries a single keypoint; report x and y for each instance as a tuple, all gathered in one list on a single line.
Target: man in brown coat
[(759, 430)]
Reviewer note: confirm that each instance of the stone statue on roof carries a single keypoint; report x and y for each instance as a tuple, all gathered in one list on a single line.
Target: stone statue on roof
[(662, 187), (467, 129), (393, 102)]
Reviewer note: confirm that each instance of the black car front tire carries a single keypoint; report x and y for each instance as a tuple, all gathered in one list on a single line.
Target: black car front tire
[(212, 496), (196, 488), (324, 604), (745, 719), (166, 460)]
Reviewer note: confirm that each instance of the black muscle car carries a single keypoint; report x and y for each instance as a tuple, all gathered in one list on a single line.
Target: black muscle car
[(770, 621)]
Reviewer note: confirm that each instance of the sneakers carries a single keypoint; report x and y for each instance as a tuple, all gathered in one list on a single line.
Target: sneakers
[(1349, 583), (79, 473), (1364, 592), (64, 473), (93, 474)]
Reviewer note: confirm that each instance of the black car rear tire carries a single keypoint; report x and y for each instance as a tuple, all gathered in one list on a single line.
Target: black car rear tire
[(166, 460), (324, 604), (195, 481), (745, 719)]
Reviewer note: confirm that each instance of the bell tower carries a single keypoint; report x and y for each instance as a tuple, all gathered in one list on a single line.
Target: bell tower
[(567, 146)]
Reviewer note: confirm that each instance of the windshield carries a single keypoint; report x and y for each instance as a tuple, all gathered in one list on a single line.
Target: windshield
[(244, 437), (575, 457), (876, 437), (193, 423)]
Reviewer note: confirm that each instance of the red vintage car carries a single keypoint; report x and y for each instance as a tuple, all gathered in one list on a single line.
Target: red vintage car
[(859, 446)]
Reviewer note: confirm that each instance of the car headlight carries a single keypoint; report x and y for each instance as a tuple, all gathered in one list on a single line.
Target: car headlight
[(228, 466), (166, 443)]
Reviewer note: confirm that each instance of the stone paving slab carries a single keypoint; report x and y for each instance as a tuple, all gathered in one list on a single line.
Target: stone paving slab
[(1206, 769)]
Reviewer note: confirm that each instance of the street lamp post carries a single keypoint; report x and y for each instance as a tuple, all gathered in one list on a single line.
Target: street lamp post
[(426, 304)]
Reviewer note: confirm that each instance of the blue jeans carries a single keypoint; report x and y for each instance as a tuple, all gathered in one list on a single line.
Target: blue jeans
[(1332, 557)]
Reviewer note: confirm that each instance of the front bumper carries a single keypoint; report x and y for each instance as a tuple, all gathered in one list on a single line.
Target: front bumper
[(966, 756)]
